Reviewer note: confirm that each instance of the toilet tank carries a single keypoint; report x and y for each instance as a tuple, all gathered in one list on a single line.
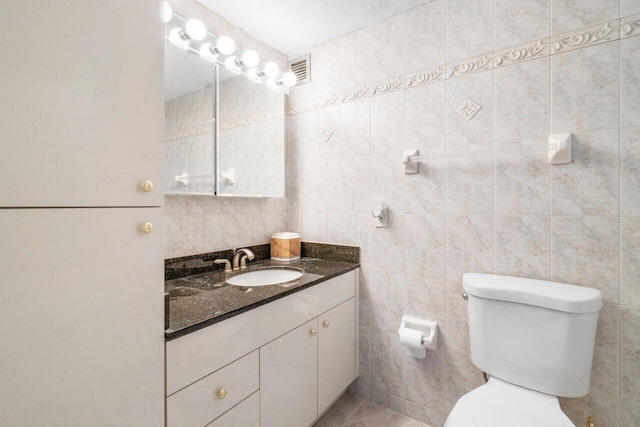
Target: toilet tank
[(533, 333)]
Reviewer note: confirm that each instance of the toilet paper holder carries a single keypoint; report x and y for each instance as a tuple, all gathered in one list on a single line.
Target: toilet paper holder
[(429, 339)]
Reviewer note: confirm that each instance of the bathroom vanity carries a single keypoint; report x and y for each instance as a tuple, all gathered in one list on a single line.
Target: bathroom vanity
[(275, 355)]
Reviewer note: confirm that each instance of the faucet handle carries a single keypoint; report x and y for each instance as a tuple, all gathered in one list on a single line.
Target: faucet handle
[(227, 264)]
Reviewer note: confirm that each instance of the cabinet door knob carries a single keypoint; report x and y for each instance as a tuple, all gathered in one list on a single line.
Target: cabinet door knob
[(222, 393), (146, 186), (326, 324), (313, 332), (146, 228)]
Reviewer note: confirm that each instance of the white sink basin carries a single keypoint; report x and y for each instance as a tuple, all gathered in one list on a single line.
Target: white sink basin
[(266, 276)]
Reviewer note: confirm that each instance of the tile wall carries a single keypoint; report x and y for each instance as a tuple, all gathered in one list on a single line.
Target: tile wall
[(202, 224), (458, 75)]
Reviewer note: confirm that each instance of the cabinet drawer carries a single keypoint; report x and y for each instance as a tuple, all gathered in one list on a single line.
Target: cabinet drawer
[(202, 402), (245, 414)]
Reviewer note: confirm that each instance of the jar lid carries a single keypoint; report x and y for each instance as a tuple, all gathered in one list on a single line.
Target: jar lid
[(285, 235)]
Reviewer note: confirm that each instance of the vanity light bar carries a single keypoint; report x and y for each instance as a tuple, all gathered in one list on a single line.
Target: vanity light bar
[(192, 35)]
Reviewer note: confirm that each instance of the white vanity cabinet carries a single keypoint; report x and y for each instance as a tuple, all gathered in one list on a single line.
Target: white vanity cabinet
[(302, 372), (307, 347)]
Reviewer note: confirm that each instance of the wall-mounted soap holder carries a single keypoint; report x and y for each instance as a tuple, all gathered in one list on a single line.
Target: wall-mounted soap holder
[(379, 213)]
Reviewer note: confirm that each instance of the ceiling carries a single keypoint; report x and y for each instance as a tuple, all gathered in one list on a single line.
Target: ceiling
[(293, 26)]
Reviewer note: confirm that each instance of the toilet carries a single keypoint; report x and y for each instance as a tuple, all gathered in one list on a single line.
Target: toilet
[(535, 341)]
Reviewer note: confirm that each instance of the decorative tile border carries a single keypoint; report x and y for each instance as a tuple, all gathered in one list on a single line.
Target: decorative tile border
[(470, 66), (630, 26), (187, 133), (526, 52), (424, 77), (250, 120), (387, 86), (578, 39), (586, 37)]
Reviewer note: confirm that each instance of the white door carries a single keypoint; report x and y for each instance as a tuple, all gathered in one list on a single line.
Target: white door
[(82, 103), (289, 378), (81, 309), (336, 352)]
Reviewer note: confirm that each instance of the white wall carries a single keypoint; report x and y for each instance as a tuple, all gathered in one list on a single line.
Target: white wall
[(534, 67)]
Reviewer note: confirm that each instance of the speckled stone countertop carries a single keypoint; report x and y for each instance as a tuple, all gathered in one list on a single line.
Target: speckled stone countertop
[(204, 299)]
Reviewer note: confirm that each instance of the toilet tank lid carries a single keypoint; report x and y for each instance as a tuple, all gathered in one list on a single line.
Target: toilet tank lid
[(553, 295)]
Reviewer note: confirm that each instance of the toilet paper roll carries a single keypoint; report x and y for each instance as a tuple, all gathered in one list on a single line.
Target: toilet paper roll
[(411, 338)]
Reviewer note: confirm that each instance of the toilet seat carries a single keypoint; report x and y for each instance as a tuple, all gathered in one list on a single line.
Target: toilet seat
[(502, 404)]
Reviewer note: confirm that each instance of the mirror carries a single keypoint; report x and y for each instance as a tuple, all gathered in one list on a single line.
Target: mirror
[(189, 131), (245, 151), (250, 140)]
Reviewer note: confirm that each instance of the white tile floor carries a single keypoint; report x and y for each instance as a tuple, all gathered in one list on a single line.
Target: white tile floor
[(353, 411)]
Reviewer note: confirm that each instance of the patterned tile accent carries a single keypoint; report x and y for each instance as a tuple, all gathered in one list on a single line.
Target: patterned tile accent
[(326, 135), (578, 39), (469, 109)]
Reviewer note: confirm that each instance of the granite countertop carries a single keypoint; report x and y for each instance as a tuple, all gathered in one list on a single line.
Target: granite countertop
[(204, 299)]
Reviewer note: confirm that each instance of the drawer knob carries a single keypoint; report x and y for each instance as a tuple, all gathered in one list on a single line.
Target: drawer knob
[(313, 332), (146, 228), (146, 186), (222, 393), (326, 324)]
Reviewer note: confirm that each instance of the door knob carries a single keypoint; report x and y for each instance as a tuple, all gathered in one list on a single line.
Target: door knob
[(326, 324), (146, 186), (222, 393), (146, 228), (313, 332)]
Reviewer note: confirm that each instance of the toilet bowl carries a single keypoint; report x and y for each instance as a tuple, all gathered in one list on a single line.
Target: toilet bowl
[(501, 404), (535, 339)]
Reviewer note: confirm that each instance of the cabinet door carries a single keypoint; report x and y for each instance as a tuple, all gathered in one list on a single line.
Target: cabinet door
[(336, 352), (81, 309), (81, 121), (289, 378)]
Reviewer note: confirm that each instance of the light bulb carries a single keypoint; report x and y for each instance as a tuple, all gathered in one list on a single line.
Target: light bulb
[(272, 84), (231, 65), (225, 45), (289, 79), (167, 13), (250, 58), (271, 69), (175, 37), (195, 29), (207, 53), (252, 73)]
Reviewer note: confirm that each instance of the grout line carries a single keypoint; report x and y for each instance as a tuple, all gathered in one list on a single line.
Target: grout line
[(356, 410), (619, 219)]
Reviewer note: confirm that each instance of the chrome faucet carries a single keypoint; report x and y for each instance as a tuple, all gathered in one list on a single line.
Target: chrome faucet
[(240, 258)]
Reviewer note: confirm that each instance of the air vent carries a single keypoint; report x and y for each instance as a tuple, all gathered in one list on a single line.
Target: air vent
[(301, 67)]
